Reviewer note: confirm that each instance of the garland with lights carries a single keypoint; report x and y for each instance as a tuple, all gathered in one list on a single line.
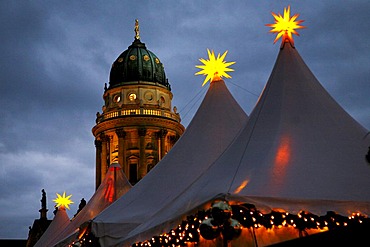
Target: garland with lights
[(210, 224), (249, 217)]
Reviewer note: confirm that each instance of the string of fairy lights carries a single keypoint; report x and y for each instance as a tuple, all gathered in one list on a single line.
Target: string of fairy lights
[(226, 221)]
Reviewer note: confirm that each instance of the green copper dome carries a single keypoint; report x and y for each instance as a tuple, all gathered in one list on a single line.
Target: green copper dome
[(135, 64)]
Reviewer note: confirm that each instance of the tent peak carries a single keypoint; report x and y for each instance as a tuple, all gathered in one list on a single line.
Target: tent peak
[(287, 41)]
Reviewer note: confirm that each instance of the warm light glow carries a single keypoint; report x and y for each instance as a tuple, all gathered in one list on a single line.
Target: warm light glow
[(242, 186), (285, 25), (109, 193), (63, 201), (214, 68), (283, 153), (282, 159)]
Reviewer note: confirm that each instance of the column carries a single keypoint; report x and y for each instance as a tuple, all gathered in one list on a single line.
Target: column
[(158, 143), (162, 135), (142, 158), (104, 155), (122, 150), (98, 147)]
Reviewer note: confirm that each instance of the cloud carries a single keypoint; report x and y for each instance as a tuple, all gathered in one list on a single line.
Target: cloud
[(23, 176)]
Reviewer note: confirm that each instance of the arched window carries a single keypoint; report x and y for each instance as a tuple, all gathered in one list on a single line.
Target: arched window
[(133, 173)]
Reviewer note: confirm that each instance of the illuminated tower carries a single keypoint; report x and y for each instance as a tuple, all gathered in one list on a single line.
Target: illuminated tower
[(137, 126)]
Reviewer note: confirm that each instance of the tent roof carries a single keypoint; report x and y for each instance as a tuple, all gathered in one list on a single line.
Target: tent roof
[(299, 151), (60, 221), (114, 185), (300, 143), (215, 124)]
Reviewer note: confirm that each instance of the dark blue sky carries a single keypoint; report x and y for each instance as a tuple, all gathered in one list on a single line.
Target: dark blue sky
[(56, 57)]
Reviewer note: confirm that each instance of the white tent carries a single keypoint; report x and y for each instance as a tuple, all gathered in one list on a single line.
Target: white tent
[(299, 151), (60, 221), (214, 126), (114, 185)]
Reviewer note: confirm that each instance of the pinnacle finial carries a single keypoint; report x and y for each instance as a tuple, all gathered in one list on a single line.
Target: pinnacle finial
[(137, 31)]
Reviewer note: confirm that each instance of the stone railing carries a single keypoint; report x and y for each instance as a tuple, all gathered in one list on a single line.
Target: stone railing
[(138, 112)]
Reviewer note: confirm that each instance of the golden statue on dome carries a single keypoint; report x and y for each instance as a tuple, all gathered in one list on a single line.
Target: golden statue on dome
[(137, 31)]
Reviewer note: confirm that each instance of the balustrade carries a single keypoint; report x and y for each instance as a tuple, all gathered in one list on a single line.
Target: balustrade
[(141, 111)]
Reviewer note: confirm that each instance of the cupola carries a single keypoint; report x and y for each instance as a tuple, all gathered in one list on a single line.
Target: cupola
[(137, 64)]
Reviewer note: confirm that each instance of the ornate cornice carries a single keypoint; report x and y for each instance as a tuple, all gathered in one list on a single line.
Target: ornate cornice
[(148, 122)]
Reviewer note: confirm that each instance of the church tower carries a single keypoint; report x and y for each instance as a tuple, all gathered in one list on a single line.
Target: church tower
[(137, 126)]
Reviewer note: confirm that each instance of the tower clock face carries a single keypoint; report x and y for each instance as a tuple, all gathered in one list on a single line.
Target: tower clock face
[(132, 96)]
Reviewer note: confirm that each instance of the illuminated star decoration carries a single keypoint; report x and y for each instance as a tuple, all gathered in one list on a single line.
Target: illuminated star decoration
[(214, 68), (285, 25), (63, 201)]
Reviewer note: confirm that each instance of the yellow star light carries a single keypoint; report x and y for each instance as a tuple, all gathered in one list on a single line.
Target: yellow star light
[(214, 68), (285, 25), (63, 201)]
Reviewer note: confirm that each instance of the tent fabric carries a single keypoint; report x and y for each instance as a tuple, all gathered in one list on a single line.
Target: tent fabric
[(299, 150), (114, 185), (214, 126), (60, 221)]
